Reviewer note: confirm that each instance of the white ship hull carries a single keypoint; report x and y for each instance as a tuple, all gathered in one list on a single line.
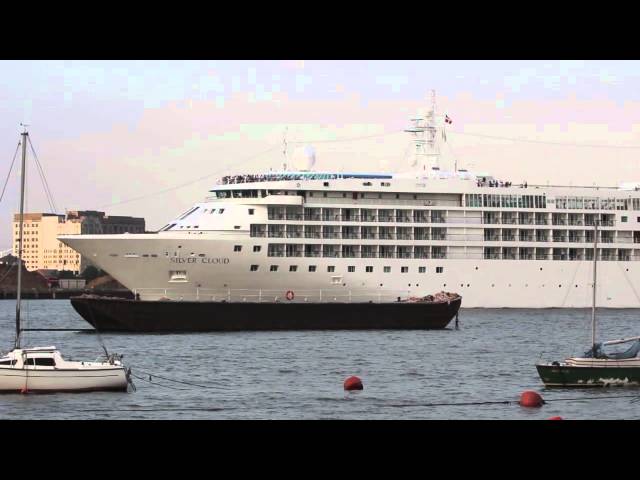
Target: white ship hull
[(482, 283)]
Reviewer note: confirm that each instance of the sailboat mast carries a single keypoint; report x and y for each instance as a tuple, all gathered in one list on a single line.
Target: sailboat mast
[(23, 175), (593, 305)]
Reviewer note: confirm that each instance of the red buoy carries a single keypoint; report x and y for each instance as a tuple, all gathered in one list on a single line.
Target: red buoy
[(353, 383), (554, 418), (531, 399)]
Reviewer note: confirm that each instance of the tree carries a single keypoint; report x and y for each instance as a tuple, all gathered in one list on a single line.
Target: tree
[(91, 273)]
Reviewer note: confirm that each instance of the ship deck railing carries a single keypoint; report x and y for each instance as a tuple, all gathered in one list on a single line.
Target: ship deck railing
[(339, 295)]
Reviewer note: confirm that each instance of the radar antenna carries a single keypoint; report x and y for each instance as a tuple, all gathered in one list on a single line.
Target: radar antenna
[(424, 130)]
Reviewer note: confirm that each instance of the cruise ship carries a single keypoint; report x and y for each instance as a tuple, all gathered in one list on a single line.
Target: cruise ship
[(310, 235)]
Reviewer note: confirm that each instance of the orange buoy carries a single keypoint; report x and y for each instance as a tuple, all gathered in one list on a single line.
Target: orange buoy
[(554, 418), (353, 383), (531, 399)]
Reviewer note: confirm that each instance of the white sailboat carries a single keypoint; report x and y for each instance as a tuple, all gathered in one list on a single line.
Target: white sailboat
[(43, 369)]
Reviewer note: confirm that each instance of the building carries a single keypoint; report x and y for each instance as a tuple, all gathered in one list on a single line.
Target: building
[(42, 250)]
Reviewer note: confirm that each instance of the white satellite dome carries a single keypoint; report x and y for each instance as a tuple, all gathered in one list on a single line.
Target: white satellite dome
[(304, 158)]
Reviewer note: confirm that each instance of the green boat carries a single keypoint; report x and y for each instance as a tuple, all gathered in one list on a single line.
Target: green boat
[(596, 368)]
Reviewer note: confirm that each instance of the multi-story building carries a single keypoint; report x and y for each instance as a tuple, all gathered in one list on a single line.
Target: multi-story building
[(42, 249)]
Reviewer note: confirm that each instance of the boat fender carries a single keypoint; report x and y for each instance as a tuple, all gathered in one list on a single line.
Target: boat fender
[(290, 295)]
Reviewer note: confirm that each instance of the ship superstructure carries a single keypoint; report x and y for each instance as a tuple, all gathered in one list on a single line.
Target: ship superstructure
[(323, 235)]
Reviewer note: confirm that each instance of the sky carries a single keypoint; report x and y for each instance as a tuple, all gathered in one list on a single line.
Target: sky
[(150, 138)]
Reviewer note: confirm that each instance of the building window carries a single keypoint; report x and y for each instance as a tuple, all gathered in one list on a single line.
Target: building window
[(293, 268), (422, 269), (387, 269), (351, 268), (274, 268), (312, 268), (404, 269), (368, 269), (237, 248), (439, 269), (251, 210), (254, 268), (257, 248), (331, 268)]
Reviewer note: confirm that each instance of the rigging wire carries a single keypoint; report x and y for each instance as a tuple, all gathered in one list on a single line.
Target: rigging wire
[(544, 142), (43, 178), (176, 187), (241, 162), (180, 381), (350, 139), (10, 168)]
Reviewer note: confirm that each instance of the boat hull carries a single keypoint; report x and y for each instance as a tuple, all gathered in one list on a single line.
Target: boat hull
[(110, 314), (588, 376), (49, 381)]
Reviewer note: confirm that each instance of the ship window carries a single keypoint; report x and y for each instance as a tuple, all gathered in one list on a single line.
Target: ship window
[(44, 362), (326, 184), (178, 276), (251, 210), (188, 213), (254, 268), (331, 268), (312, 268), (439, 269), (236, 227), (387, 269), (237, 248), (257, 248), (368, 269), (274, 268), (202, 255), (623, 219), (422, 269), (221, 211), (351, 268), (293, 268), (404, 269), (213, 210)]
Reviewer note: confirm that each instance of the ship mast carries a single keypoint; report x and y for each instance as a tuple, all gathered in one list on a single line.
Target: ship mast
[(23, 176), (593, 304), (424, 130)]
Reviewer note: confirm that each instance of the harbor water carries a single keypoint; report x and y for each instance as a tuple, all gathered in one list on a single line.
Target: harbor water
[(299, 375)]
